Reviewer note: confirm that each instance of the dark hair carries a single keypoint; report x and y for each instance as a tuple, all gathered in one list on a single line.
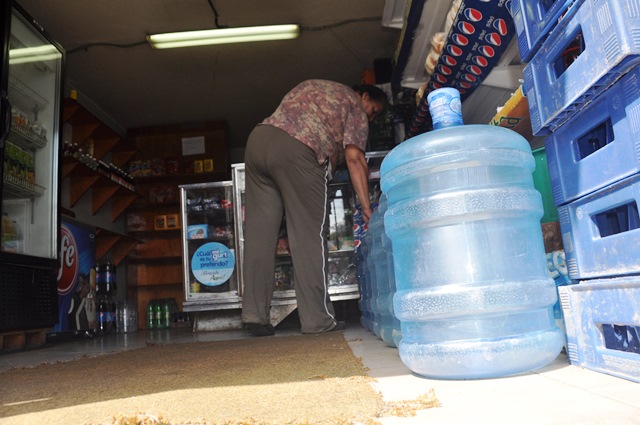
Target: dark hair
[(376, 94)]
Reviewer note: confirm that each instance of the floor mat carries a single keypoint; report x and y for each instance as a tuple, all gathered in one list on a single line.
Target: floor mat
[(305, 379)]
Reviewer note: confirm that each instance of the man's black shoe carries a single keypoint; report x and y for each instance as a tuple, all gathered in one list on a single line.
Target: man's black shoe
[(258, 329), (340, 326)]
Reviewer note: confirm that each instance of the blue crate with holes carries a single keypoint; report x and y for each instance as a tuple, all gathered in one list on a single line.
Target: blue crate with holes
[(602, 323), (601, 231), (594, 45), (599, 145), (534, 20)]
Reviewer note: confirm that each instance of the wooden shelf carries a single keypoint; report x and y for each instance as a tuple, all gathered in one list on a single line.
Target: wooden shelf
[(119, 245), (82, 178), (86, 127), (180, 179), (150, 233), (155, 267)]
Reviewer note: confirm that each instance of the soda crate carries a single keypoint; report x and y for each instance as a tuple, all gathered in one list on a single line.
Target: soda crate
[(534, 20), (599, 145), (602, 321), (593, 45), (601, 231)]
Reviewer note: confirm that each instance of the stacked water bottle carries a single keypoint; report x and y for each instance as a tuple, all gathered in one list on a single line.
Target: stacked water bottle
[(472, 294), (582, 81)]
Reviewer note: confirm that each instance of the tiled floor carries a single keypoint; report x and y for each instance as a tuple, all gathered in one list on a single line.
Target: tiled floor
[(556, 394)]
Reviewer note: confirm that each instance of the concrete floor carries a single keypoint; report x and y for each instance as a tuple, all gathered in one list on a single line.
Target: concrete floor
[(556, 394)]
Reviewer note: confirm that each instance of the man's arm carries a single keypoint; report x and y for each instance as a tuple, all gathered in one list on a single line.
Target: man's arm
[(359, 174)]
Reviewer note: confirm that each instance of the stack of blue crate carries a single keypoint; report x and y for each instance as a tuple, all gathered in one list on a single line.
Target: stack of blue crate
[(582, 81)]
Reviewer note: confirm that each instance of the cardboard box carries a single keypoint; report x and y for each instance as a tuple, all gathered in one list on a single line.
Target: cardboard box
[(208, 165), (173, 221), (514, 115), (160, 222)]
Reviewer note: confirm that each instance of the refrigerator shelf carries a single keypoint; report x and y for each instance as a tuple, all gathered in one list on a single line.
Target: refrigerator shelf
[(23, 97), (26, 138), (21, 188)]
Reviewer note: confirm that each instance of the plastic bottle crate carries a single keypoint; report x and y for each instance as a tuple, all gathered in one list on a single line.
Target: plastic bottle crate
[(599, 145), (534, 19), (603, 34), (601, 231), (602, 321)]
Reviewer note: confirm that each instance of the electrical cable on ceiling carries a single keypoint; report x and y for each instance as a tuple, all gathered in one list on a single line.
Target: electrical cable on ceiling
[(107, 44), (338, 24), (216, 15), (218, 26)]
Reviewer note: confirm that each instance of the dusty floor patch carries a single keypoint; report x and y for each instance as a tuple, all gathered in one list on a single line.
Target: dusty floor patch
[(306, 379)]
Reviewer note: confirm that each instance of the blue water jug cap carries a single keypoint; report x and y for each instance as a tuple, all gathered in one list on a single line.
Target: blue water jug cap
[(445, 107)]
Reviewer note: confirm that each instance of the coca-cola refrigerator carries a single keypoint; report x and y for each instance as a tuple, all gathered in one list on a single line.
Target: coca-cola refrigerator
[(31, 78)]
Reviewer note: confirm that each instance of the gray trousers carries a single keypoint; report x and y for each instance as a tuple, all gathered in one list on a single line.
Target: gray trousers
[(283, 175)]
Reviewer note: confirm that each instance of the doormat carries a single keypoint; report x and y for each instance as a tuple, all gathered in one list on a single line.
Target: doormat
[(301, 380)]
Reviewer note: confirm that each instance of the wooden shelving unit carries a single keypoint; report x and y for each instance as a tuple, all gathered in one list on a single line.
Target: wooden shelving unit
[(83, 180), (155, 266)]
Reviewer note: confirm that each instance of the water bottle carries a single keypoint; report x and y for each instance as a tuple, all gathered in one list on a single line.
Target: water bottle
[(473, 295), (385, 281), (370, 271), (363, 281), (378, 257), (393, 323)]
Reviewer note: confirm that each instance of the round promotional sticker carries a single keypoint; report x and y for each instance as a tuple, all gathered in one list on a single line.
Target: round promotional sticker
[(212, 264)]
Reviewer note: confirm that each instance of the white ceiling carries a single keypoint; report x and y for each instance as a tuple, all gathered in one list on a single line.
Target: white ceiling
[(239, 83)]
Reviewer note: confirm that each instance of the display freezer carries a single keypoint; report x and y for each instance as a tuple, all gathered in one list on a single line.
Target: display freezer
[(31, 101), (209, 246)]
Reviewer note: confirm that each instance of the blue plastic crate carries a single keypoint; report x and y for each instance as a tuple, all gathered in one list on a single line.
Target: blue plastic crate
[(534, 19), (601, 232), (604, 35), (602, 321), (599, 145)]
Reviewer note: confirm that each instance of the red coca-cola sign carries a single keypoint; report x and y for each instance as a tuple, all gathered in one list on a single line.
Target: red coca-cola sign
[(68, 271)]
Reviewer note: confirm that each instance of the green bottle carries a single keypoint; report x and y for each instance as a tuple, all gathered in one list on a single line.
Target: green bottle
[(157, 317), (151, 322)]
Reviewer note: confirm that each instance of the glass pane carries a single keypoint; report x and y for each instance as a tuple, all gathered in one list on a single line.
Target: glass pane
[(209, 246), (30, 186)]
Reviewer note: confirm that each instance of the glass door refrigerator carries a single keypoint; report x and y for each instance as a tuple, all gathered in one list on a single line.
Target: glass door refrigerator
[(209, 246), (30, 109), (343, 284)]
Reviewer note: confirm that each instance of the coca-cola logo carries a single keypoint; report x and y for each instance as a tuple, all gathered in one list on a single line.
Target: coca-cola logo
[(68, 270)]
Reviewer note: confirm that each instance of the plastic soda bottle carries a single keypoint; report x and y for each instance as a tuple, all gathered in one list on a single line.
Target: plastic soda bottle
[(151, 314)]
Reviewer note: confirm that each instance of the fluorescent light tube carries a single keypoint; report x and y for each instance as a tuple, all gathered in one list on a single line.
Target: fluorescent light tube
[(223, 36), (32, 54)]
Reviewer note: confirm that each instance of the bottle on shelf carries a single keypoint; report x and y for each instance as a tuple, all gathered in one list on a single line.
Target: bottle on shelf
[(103, 317), (110, 283), (151, 314), (157, 314), (9, 236), (100, 286)]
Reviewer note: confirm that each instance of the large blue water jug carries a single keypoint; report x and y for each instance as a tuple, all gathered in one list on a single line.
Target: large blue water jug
[(370, 302), (473, 295), (378, 261), (382, 254), (360, 260)]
